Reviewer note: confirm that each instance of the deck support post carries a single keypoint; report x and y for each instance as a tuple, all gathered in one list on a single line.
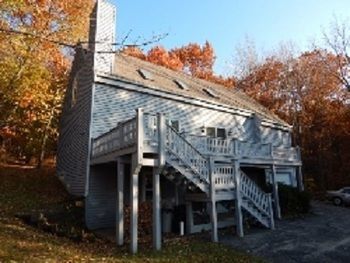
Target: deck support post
[(176, 190), (136, 164), (143, 187), (213, 212), (120, 203), (134, 201), (299, 172), (157, 234), (300, 178), (189, 217), (238, 201), (275, 193)]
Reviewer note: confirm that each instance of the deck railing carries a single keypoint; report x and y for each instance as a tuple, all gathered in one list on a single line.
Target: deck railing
[(224, 176), (124, 135), (211, 146), (150, 129), (290, 154), (254, 150)]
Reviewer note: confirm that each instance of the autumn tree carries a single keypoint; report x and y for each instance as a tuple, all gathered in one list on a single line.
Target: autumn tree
[(160, 56), (35, 41), (337, 41), (304, 91)]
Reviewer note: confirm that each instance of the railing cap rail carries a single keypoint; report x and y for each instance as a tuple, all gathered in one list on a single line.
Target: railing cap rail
[(119, 124)]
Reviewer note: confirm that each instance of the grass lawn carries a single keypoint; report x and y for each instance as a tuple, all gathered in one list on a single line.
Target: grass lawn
[(27, 190)]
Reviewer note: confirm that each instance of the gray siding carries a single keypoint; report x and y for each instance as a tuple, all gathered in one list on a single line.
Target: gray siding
[(104, 36), (100, 204), (276, 137), (74, 137), (112, 105)]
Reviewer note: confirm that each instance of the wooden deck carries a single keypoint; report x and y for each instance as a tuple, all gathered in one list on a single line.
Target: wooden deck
[(122, 140), (210, 164)]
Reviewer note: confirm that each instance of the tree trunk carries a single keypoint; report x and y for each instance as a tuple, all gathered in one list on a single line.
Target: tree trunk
[(44, 141)]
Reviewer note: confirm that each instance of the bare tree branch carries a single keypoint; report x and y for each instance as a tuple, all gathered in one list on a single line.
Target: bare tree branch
[(154, 39)]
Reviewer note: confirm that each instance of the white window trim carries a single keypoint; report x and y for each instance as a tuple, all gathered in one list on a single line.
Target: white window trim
[(169, 120), (204, 130)]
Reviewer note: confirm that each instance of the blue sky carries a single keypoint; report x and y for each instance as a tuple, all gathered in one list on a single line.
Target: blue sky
[(226, 23)]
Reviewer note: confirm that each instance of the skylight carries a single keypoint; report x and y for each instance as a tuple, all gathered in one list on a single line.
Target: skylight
[(210, 93), (145, 74), (180, 84)]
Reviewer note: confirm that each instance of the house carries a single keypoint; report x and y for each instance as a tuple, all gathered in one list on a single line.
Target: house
[(132, 131)]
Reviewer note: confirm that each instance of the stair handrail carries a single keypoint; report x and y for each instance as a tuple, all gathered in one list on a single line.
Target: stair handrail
[(255, 194), (184, 139), (196, 165)]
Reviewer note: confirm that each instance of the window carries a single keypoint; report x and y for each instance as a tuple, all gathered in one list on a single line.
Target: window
[(284, 178), (210, 93), (221, 133), (215, 132), (180, 84), (210, 131), (74, 92), (145, 74), (175, 124)]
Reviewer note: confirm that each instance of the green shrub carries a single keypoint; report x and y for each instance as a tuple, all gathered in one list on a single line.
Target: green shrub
[(292, 201)]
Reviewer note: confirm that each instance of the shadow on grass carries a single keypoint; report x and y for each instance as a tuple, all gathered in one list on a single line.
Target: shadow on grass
[(29, 195)]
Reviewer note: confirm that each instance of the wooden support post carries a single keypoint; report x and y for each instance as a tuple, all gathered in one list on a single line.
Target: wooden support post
[(161, 140), (157, 234), (176, 190), (157, 230), (272, 219), (238, 200), (136, 164), (189, 217), (275, 193), (120, 203), (134, 201), (139, 135), (143, 187), (213, 212), (299, 172), (300, 178)]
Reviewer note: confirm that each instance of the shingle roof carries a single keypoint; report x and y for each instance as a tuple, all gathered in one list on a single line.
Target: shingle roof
[(164, 79)]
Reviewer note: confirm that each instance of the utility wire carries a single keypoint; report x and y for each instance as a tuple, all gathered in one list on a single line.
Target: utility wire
[(153, 40)]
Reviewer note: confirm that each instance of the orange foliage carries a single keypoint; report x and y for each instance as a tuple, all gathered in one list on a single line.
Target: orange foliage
[(160, 56), (192, 59), (33, 71), (197, 60), (134, 52), (307, 93)]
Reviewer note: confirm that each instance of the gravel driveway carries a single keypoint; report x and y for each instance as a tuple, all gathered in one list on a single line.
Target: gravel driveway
[(322, 236)]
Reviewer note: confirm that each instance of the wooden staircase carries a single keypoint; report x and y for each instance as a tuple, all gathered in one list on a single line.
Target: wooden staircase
[(256, 202), (201, 171)]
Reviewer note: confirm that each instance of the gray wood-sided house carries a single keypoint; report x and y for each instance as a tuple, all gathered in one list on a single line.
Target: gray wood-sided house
[(132, 131)]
